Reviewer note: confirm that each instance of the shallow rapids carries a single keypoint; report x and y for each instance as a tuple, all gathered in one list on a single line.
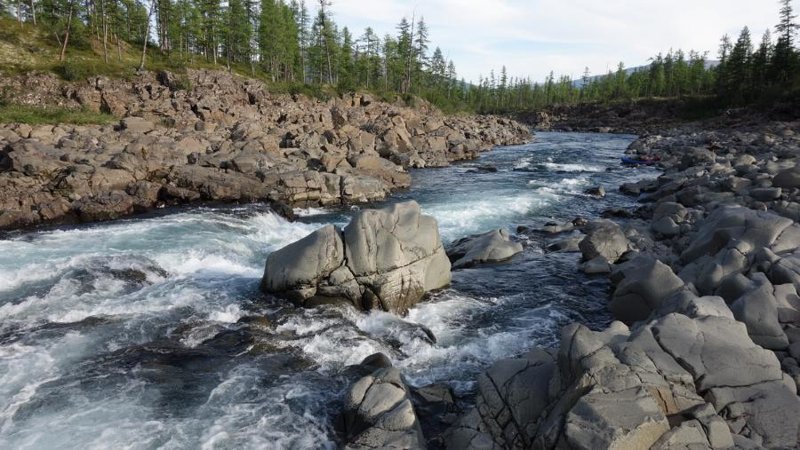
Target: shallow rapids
[(151, 332)]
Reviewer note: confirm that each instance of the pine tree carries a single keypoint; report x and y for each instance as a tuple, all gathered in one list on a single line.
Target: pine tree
[(438, 68), (737, 81), (300, 14), (210, 18), (369, 61), (761, 61), (784, 60), (405, 52), (452, 77), (322, 49), (346, 67), (238, 33), (421, 41)]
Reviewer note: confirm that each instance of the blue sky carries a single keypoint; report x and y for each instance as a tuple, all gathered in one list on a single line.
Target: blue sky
[(532, 37)]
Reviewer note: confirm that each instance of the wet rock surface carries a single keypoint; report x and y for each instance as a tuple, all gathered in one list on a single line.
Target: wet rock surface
[(223, 138), (705, 277)]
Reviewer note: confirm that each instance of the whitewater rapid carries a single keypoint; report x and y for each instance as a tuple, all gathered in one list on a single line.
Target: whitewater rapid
[(151, 332)]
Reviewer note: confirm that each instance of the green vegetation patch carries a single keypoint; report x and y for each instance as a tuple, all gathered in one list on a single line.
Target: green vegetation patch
[(40, 116)]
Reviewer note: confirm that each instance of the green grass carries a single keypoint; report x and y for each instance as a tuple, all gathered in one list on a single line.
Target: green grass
[(42, 116)]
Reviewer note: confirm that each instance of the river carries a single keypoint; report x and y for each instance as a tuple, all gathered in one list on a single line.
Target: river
[(150, 332)]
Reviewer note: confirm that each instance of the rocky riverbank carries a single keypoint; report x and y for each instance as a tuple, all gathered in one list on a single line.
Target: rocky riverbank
[(705, 351), (213, 136), (653, 116)]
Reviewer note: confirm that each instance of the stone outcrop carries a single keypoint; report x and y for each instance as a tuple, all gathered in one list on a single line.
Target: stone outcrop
[(491, 247), (218, 137), (384, 259), (616, 389), (705, 277)]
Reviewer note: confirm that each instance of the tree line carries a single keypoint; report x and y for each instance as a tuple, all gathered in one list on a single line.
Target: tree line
[(279, 40), (283, 41), (742, 74)]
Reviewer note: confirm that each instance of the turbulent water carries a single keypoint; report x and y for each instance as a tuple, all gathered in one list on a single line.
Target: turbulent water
[(151, 332)]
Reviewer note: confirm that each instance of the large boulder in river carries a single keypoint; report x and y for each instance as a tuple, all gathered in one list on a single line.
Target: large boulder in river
[(321, 253), (384, 259), (494, 246)]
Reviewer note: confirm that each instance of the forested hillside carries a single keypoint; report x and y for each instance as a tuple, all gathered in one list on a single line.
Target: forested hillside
[(287, 45), (277, 41)]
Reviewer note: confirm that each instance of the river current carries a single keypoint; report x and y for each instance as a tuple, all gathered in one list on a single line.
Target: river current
[(150, 332)]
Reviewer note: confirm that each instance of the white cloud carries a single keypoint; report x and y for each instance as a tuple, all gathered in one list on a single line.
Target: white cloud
[(533, 37)]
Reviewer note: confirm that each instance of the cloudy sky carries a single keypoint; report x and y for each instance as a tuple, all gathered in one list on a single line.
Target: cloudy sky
[(532, 37)]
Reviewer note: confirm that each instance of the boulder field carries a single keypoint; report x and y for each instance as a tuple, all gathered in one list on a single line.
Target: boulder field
[(214, 136), (705, 349)]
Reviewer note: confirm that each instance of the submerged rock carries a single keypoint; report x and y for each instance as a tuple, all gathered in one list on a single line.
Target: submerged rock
[(384, 259)]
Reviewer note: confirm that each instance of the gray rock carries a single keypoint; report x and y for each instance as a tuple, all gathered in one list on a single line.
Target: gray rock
[(687, 303), (766, 194), (397, 255), (598, 265), (597, 192), (627, 419), (688, 435), (297, 269), (789, 178), (672, 210), (136, 125), (512, 395), (666, 226), (568, 245), (379, 414), (604, 238), (758, 309), (769, 410), (646, 284), (494, 246), (716, 351), (386, 259)]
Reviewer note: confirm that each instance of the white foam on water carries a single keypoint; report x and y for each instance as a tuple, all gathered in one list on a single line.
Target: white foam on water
[(573, 167), (231, 314), (522, 164), (463, 217), (213, 261), (310, 212)]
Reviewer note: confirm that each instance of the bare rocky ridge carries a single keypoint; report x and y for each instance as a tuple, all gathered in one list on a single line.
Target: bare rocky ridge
[(213, 136)]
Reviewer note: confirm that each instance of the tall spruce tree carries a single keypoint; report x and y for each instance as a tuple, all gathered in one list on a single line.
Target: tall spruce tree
[(761, 61), (784, 60)]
